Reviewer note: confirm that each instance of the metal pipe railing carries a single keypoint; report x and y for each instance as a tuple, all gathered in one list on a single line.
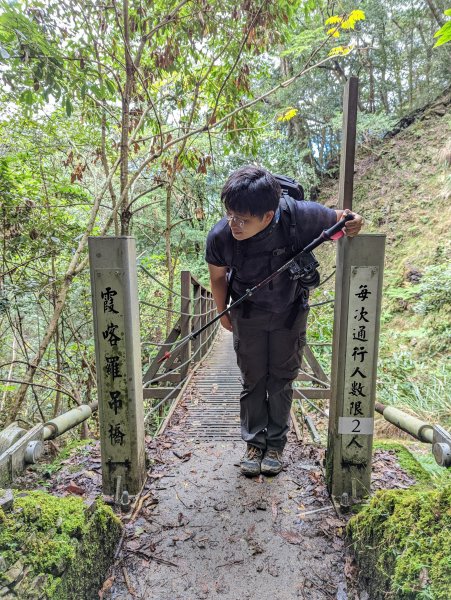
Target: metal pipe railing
[(418, 429), (68, 420)]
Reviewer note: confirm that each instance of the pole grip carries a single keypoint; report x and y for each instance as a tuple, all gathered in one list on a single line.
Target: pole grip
[(328, 233)]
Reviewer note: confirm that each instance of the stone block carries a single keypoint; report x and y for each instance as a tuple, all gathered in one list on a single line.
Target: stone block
[(6, 499)]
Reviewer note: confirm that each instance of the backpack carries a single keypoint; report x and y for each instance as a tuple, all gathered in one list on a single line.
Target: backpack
[(290, 187)]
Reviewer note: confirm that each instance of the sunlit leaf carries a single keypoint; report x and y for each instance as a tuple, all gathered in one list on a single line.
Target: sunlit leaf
[(358, 15), (341, 50), (288, 115), (444, 34), (354, 16), (333, 20), (333, 32)]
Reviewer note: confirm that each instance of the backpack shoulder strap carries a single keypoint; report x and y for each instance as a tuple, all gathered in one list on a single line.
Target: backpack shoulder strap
[(289, 225)]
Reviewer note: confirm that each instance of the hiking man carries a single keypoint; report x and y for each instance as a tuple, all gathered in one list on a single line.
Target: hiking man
[(269, 329)]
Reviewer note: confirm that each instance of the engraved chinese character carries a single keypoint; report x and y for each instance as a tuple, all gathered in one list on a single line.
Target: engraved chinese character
[(357, 371), (364, 293), (354, 442), (361, 316), (112, 366), (359, 352), (109, 334), (357, 389), (360, 334), (116, 435), (116, 401), (108, 301), (356, 408)]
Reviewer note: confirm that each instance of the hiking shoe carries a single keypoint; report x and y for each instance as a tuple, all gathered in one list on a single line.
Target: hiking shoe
[(250, 463), (272, 463)]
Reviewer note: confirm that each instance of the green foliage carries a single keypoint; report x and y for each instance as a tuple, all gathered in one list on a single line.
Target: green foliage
[(444, 33), (407, 382), (72, 447), (434, 292)]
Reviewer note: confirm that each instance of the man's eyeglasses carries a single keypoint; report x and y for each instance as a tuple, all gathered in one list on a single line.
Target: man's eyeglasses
[(238, 222)]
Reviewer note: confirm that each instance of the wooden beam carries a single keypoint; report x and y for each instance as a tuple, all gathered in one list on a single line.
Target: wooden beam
[(314, 365), (350, 101), (185, 322), (313, 393), (157, 392), (172, 337)]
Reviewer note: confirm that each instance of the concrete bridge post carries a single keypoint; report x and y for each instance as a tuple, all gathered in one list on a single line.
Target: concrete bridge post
[(118, 358)]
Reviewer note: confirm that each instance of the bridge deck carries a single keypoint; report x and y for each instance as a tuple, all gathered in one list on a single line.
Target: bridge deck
[(213, 402)]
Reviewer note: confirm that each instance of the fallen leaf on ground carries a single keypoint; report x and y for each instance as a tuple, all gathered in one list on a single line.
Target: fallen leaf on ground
[(156, 475), (292, 537), (250, 532), (182, 519), (350, 568), (73, 488), (133, 544), (107, 585)]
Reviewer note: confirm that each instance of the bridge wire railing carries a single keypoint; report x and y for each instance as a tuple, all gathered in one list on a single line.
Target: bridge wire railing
[(170, 368)]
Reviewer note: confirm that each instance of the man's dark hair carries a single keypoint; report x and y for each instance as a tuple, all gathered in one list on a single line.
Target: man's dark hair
[(251, 190)]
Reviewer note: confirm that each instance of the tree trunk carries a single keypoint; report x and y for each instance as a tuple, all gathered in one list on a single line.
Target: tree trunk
[(57, 346), (371, 105), (436, 12), (411, 71), (169, 263), (383, 88), (10, 373), (36, 360), (125, 128)]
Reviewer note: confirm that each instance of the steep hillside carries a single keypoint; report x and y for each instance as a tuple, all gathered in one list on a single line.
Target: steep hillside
[(403, 189)]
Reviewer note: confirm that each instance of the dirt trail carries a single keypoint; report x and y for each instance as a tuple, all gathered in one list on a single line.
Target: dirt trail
[(205, 531)]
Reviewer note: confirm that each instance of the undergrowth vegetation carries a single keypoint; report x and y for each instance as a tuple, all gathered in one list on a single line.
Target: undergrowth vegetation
[(401, 188)]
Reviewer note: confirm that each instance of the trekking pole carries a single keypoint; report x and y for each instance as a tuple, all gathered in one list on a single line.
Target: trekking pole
[(325, 236)]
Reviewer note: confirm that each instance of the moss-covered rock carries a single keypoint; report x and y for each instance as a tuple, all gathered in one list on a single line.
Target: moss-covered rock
[(55, 547), (402, 543)]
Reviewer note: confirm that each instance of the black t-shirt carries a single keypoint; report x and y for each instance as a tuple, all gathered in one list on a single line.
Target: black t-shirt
[(254, 257)]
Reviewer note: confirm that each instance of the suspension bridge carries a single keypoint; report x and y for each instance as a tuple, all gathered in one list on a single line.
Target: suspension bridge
[(194, 527)]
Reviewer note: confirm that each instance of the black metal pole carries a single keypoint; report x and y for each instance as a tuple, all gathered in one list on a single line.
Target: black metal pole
[(326, 235)]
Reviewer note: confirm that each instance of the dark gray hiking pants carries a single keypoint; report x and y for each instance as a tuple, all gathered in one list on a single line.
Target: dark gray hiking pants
[(269, 356)]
